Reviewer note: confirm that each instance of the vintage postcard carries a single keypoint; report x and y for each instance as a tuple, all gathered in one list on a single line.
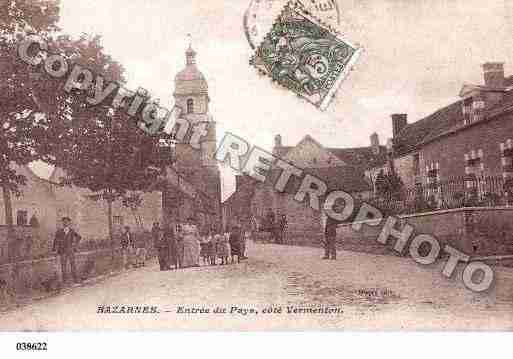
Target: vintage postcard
[(255, 165)]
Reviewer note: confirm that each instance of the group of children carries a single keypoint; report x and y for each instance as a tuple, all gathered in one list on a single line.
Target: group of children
[(223, 246)]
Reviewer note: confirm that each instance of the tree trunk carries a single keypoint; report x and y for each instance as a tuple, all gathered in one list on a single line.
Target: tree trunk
[(111, 234), (9, 221)]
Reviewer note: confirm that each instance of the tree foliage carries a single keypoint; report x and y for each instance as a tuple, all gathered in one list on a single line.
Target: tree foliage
[(388, 184), (21, 121)]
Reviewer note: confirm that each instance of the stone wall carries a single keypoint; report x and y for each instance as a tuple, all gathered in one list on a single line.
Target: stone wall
[(25, 279), (489, 228), (28, 242)]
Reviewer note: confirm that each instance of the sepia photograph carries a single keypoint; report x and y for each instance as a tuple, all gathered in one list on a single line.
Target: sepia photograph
[(255, 166)]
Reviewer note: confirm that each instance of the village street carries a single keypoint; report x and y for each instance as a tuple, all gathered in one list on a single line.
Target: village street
[(364, 291)]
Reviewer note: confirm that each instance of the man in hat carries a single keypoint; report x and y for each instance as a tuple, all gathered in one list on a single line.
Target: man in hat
[(65, 242), (330, 235), (161, 244), (127, 247)]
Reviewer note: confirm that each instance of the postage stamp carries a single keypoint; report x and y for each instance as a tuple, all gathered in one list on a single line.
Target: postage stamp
[(261, 14), (305, 56)]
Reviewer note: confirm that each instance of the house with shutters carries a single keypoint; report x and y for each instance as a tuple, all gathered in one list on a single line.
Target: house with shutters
[(470, 138)]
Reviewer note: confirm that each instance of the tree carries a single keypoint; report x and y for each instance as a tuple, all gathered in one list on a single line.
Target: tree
[(388, 184), (21, 110), (111, 157), (98, 147)]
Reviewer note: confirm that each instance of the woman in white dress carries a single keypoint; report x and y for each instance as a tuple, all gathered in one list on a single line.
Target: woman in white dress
[(191, 244)]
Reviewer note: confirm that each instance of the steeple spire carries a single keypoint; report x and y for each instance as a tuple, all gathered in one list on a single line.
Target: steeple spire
[(190, 54)]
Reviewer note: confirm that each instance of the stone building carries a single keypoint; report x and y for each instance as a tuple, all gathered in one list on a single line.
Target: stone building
[(340, 168), (198, 167), (473, 136), (43, 202), (238, 205)]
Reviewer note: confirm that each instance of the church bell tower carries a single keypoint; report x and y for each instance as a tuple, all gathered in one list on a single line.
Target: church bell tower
[(197, 166)]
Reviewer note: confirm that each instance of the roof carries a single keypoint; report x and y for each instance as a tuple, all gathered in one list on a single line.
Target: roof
[(190, 80), (343, 178), (190, 73), (282, 151), (445, 120), (427, 128), (240, 196), (361, 157)]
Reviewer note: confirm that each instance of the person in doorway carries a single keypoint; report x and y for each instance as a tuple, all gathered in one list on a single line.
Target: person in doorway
[(65, 243)]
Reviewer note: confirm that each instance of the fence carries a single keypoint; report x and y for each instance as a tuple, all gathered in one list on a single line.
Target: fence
[(469, 191)]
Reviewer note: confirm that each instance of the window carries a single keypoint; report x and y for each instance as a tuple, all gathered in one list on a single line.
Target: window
[(473, 109), (190, 105), (432, 171), (507, 158), (117, 220), (433, 184), (474, 163), (21, 218)]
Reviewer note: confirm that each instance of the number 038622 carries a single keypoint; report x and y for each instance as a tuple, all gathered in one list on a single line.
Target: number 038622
[(23, 346)]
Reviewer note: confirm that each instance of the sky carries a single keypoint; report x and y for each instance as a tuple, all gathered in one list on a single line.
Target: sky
[(417, 54)]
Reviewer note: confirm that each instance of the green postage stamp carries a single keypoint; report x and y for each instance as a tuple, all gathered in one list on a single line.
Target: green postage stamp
[(305, 56)]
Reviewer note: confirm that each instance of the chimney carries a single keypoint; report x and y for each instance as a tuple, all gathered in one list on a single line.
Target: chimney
[(493, 73), (239, 182), (277, 141), (399, 121), (374, 139), (243, 182)]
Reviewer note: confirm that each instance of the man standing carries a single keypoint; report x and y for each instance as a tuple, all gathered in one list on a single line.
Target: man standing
[(127, 246), (161, 245), (330, 234), (269, 224), (282, 226), (244, 236), (65, 242)]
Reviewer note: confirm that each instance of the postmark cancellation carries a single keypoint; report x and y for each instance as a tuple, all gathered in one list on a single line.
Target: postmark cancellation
[(305, 56)]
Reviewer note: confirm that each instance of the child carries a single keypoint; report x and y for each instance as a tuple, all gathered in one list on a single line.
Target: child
[(204, 249), (141, 253), (211, 248), (222, 247), (245, 240)]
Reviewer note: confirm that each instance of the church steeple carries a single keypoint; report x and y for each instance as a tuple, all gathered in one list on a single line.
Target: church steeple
[(191, 88), (190, 56)]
